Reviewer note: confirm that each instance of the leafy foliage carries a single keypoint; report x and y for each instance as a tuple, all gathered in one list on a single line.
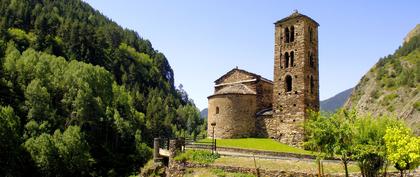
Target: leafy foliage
[(332, 135), (349, 136), (197, 156), (403, 148), (70, 77), (62, 154)]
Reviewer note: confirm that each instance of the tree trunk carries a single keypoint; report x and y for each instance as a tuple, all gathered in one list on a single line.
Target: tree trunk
[(385, 169), (345, 168), (402, 173), (319, 168)]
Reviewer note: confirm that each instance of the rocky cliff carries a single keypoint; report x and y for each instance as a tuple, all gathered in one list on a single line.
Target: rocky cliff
[(392, 86)]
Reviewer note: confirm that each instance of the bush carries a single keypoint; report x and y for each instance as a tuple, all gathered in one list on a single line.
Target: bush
[(375, 94), (197, 156), (388, 98), (390, 108), (416, 105), (380, 73), (407, 77)]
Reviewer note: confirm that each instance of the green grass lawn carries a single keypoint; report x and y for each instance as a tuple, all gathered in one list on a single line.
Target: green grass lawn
[(286, 165), (207, 172), (264, 144)]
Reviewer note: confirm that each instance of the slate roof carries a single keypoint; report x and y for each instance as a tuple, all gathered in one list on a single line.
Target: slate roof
[(243, 71), (236, 89), (296, 14)]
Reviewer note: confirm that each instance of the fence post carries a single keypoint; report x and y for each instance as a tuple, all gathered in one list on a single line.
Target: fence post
[(156, 147)]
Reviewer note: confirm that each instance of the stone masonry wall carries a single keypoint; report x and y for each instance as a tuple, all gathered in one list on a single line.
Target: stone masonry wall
[(236, 117), (264, 95), (266, 126), (290, 107)]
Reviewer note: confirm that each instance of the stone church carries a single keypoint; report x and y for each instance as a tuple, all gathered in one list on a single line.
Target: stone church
[(245, 104)]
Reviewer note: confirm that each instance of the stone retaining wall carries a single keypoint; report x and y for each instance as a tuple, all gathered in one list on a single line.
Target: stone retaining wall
[(178, 170), (266, 153)]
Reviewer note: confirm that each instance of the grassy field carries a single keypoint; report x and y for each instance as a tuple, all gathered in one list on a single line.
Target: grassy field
[(206, 172), (286, 165), (264, 144)]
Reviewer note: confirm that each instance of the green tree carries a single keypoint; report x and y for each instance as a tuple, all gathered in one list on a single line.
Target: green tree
[(189, 116), (73, 151), (320, 137), (61, 154), (343, 134), (369, 148), (9, 141), (403, 148), (38, 102), (331, 135), (67, 65), (44, 154)]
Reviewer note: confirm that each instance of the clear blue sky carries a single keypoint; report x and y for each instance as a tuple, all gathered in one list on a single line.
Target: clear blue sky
[(205, 39)]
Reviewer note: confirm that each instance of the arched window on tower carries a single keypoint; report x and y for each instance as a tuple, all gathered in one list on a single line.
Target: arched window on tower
[(292, 58), (311, 60), (310, 34), (217, 110), (288, 83), (286, 35), (286, 60), (292, 34), (312, 85)]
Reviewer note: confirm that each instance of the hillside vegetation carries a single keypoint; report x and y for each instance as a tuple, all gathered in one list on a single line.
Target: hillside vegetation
[(80, 95), (392, 86)]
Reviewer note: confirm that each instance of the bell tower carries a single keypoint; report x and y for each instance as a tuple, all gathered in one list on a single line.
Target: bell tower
[(296, 78)]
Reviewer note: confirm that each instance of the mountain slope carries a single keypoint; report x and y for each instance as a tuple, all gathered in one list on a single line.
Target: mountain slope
[(392, 86), (80, 95), (204, 113), (335, 102)]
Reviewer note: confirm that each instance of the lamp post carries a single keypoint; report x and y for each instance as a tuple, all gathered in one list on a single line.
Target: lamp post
[(213, 124)]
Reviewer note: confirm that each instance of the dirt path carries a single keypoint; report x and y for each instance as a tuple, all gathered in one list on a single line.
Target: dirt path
[(259, 156)]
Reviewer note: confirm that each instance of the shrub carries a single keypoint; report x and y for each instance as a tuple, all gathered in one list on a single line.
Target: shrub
[(380, 73), (390, 108), (375, 94), (197, 156), (407, 77), (388, 98), (390, 83), (416, 105)]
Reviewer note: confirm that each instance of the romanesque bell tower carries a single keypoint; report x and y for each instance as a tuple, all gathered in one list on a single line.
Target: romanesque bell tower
[(296, 79)]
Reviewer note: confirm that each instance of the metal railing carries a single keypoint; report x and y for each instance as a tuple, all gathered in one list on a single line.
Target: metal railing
[(190, 143)]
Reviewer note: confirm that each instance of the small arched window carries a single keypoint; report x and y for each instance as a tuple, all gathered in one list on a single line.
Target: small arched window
[(292, 58), (288, 82), (286, 35), (292, 34), (312, 85), (310, 34), (311, 60), (286, 60), (217, 110)]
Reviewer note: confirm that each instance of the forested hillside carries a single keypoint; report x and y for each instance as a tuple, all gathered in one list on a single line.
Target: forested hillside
[(392, 86), (80, 95)]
